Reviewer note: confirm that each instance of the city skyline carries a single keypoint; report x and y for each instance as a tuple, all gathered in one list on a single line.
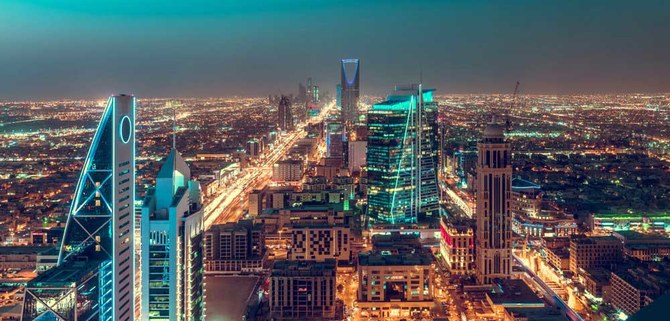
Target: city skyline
[(475, 47), (282, 186)]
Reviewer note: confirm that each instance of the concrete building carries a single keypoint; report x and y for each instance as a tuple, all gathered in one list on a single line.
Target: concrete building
[(457, 245), (172, 263), (594, 252), (301, 290), (287, 171), (526, 198), (558, 257), (395, 278), (282, 219), (319, 243), (494, 215), (636, 287), (235, 247), (356, 155)]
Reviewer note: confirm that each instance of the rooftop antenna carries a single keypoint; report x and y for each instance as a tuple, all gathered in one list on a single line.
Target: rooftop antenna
[(174, 126)]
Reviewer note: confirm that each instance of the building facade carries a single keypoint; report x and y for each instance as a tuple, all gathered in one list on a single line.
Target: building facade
[(350, 90), (235, 247), (172, 234), (402, 157), (319, 243), (94, 277), (301, 290), (457, 246), (395, 278), (287, 171), (494, 215), (285, 114), (594, 252)]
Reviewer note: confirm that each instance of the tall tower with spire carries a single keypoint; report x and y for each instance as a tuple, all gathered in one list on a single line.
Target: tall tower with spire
[(172, 261), (494, 216), (94, 278)]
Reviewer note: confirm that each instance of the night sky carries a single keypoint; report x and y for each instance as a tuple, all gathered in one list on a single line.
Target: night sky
[(162, 48)]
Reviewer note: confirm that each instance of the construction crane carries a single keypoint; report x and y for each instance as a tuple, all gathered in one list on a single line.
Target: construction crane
[(508, 123)]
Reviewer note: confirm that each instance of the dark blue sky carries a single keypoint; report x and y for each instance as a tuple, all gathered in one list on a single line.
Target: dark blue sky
[(83, 48)]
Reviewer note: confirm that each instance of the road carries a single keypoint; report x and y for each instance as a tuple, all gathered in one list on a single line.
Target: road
[(231, 200), (551, 295)]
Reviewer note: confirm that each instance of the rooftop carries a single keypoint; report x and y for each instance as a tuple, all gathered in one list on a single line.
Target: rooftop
[(538, 314), (514, 293), (18, 250)]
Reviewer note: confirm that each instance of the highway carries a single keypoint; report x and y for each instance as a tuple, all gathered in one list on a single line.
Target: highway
[(231, 200), (555, 299)]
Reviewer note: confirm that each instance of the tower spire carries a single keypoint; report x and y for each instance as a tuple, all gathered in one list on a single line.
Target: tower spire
[(174, 126)]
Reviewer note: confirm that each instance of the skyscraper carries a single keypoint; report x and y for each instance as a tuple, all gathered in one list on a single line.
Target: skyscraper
[(494, 216), (401, 157), (284, 114), (95, 275), (350, 83), (172, 260)]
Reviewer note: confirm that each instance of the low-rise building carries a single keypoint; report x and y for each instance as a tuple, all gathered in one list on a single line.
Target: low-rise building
[(512, 293), (395, 278), (276, 220), (288, 171), (637, 286), (320, 242), (457, 245), (235, 247), (558, 257), (302, 290), (537, 314), (594, 252)]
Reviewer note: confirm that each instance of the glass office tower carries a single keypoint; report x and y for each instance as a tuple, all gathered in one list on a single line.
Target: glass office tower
[(172, 260), (95, 275), (402, 157), (350, 93)]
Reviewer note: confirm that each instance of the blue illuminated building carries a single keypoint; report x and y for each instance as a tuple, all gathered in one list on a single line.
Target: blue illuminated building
[(172, 246), (95, 275), (338, 98), (350, 94), (402, 157)]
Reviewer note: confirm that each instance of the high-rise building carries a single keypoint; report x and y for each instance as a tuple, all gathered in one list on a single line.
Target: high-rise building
[(494, 215), (172, 234), (338, 97), (401, 157), (350, 84), (284, 114), (334, 140), (95, 275)]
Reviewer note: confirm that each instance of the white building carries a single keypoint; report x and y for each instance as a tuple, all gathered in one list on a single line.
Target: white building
[(172, 234)]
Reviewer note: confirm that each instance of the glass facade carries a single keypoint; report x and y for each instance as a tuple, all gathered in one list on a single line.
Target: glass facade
[(94, 274), (402, 157)]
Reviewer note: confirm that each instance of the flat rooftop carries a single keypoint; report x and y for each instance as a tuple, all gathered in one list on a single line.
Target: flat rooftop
[(538, 314), (18, 250), (514, 293)]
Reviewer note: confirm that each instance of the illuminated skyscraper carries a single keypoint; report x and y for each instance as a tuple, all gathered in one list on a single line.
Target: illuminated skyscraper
[(401, 157), (284, 114), (338, 97), (95, 275), (350, 83), (494, 216), (172, 255)]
